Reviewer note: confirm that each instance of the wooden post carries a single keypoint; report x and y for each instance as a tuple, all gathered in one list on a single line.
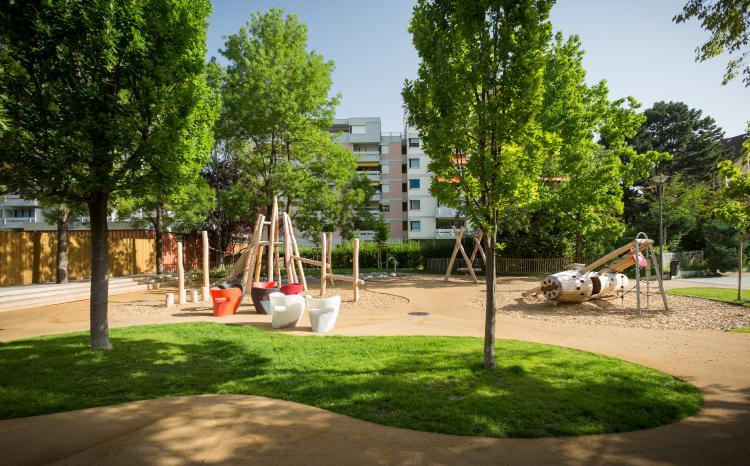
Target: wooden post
[(323, 258), (253, 253), (272, 239), (206, 286), (355, 267), (259, 262), (469, 263), (169, 299), (330, 257), (181, 297), (458, 234), (295, 249)]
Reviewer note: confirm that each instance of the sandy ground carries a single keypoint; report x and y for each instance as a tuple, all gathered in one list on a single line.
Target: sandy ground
[(233, 429), (684, 312)]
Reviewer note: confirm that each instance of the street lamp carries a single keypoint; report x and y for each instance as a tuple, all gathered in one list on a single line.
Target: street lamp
[(659, 180)]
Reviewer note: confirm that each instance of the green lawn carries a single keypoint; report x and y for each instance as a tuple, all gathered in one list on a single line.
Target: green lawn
[(727, 295), (740, 330), (425, 383)]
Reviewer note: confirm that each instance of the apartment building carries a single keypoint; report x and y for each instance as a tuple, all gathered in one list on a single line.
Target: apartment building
[(379, 157), (17, 213), (426, 218), (397, 168)]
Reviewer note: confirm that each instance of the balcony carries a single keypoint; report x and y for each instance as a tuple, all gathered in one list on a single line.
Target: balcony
[(17, 222), (367, 156), (376, 197), (443, 234), (367, 235), (14, 200), (442, 211), (372, 176)]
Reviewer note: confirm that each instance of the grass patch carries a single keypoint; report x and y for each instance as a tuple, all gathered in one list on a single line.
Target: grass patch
[(434, 384), (740, 330), (725, 295)]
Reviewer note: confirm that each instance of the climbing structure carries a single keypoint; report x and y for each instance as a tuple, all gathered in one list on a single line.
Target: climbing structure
[(459, 234), (278, 232), (604, 277)]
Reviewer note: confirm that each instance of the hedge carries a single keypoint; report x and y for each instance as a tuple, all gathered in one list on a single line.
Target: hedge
[(411, 254)]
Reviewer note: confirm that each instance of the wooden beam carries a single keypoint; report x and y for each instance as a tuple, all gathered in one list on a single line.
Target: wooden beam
[(295, 251), (345, 278), (182, 296), (355, 268), (458, 236), (323, 257), (272, 238)]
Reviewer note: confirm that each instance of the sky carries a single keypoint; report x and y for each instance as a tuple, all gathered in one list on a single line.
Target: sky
[(633, 45)]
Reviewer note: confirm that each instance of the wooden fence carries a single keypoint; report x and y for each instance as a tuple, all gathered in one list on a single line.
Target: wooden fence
[(31, 257), (504, 265)]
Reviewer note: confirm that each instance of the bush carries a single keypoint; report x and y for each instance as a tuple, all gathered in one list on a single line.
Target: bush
[(409, 254)]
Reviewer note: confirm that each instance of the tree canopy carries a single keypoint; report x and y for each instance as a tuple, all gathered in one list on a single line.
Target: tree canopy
[(475, 101), (694, 141), (277, 106), (728, 22), (85, 83)]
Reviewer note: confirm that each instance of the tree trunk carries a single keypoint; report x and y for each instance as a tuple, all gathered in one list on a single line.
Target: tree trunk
[(579, 247), (490, 308), (63, 215), (99, 269), (159, 230)]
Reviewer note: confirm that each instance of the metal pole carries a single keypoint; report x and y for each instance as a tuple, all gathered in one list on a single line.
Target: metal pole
[(661, 226), (637, 277)]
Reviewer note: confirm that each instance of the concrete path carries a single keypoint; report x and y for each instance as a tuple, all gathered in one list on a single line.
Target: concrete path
[(234, 429), (725, 281)]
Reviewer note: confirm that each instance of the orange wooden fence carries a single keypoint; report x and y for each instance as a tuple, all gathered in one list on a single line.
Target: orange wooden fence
[(30, 257)]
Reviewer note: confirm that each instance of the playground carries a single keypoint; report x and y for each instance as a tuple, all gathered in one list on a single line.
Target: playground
[(258, 429)]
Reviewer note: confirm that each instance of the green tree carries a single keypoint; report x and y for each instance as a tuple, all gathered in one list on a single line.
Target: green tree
[(180, 147), (276, 108), (735, 208), (85, 81), (585, 178), (382, 233), (475, 101), (728, 22), (694, 141)]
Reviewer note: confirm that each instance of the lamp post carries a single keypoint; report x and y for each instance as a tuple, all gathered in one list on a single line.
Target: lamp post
[(660, 180)]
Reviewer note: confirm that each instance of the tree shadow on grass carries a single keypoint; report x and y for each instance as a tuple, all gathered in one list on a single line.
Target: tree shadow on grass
[(434, 384)]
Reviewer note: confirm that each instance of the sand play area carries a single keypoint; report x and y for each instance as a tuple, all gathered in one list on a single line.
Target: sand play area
[(241, 429)]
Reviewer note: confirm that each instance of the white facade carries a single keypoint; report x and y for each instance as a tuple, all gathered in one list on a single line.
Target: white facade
[(16, 212), (426, 218)]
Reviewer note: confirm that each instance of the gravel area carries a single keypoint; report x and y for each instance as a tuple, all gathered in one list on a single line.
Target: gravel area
[(368, 301), (685, 313)]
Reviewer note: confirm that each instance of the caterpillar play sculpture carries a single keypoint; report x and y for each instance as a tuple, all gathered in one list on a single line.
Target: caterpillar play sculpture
[(602, 278)]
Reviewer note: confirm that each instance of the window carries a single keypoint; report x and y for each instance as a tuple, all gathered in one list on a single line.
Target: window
[(385, 169), (413, 163), (385, 149), (416, 225), (414, 204), (359, 129), (404, 225), (414, 183), (447, 223), (403, 168), (413, 142), (385, 188), (403, 187), (385, 208), (403, 206)]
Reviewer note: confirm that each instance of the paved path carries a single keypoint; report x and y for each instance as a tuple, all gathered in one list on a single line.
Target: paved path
[(234, 429), (725, 281)]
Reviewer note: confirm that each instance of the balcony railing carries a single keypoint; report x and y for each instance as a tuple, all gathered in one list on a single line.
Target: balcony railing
[(17, 221), (372, 176), (376, 197), (367, 156), (442, 211), (443, 234), (366, 235), (15, 200)]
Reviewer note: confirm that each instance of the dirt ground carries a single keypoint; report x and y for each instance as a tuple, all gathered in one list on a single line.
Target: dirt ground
[(233, 429)]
